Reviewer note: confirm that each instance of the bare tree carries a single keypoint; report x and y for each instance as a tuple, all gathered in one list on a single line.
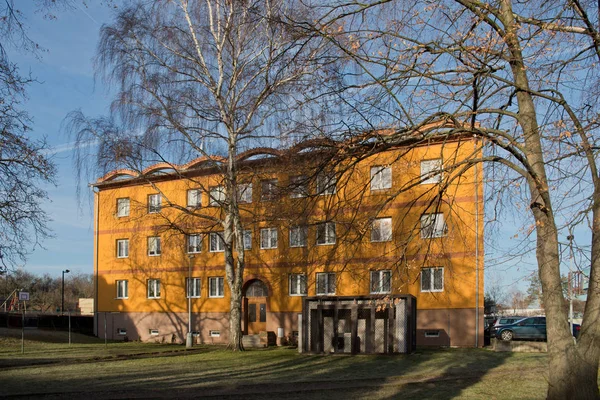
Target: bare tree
[(207, 79), (24, 166), (521, 75)]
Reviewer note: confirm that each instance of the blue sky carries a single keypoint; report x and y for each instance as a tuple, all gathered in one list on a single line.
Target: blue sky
[(66, 83), (66, 77)]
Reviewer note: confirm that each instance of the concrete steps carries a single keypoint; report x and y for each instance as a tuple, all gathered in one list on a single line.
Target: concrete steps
[(252, 341)]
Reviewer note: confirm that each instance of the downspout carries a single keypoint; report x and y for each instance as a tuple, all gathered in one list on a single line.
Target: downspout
[(96, 248), (476, 249)]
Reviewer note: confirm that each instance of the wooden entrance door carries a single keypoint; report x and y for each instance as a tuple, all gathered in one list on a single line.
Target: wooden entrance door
[(257, 315), (256, 307)]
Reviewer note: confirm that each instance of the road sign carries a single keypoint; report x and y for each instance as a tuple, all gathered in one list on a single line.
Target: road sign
[(23, 296)]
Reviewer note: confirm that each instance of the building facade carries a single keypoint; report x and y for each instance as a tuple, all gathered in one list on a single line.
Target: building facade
[(402, 221)]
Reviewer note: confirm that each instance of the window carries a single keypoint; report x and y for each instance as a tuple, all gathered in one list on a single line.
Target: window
[(381, 281), (194, 198), (268, 238), (432, 334), (381, 178), (432, 279), (122, 289), (325, 283), (268, 189), (298, 236), (194, 243), (297, 285), (431, 171), (326, 184), (153, 332), (217, 243), (123, 207), (121, 332), (153, 288), (381, 230), (257, 288), (154, 203), (193, 287), (326, 233), (247, 239), (433, 226), (217, 195), (214, 333), (298, 187), (215, 286), (154, 246), (122, 248), (244, 192)]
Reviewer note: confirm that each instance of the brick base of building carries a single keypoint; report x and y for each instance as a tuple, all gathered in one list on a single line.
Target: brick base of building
[(443, 327)]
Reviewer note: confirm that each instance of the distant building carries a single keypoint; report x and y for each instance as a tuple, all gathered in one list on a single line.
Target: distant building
[(374, 228), (85, 306)]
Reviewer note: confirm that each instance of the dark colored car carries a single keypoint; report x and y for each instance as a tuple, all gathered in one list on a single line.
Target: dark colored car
[(533, 328), (502, 321)]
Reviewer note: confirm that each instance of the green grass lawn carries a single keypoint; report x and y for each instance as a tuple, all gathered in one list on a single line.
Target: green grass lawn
[(88, 369)]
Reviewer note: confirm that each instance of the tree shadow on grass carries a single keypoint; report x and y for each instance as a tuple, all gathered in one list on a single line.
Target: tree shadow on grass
[(264, 374)]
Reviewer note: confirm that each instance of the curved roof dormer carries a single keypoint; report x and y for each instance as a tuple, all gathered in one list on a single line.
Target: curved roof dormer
[(160, 168), (201, 161), (258, 152), (119, 174)]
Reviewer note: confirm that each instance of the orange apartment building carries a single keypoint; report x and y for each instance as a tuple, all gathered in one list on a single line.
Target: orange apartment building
[(376, 227)]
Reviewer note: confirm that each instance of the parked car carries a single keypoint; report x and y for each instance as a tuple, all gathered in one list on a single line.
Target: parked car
[(504, 320), (533, 328)]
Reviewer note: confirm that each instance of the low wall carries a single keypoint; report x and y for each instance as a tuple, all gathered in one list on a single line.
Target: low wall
[(519, 346)]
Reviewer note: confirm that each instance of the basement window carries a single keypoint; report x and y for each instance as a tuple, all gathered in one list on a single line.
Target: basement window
[(432, 334), (154, 332), (215, 333), (121, 332)]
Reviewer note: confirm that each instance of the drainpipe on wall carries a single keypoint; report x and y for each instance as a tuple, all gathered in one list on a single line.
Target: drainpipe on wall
[(476, 250), (97, 234)]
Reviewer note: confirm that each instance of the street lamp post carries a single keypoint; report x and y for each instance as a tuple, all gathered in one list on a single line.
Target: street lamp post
[(62, 292), (570, 239)]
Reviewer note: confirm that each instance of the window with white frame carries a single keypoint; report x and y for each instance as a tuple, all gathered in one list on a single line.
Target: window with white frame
[(194, 243), (298, 186), (247, 239), (244, 193), (217, 195), (193, 287), (326, 184), (381, 230), (381, 177), (123, 207), (326, 233), (122, 248), (268, 238), (154, 246), (298, 285), (122, 289), (325, 283), (215, 286), (431, 171), (298, 236), (381, 281), (154, 203), (153, 288), (268, 189), (194, 198), (433, 226), (432, 279), (217, 244)]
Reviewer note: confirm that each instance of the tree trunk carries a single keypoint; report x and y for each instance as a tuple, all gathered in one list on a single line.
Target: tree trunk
[(564, 379), (235, 322)]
